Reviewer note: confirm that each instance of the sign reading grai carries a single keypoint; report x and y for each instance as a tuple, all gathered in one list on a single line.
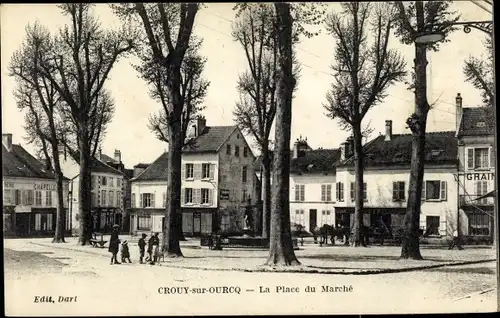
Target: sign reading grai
[(480, 176)]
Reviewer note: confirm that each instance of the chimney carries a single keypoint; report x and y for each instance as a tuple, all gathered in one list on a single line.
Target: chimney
[(193, 131), (7, 141), (99, 153), (388, 130), (458, 111), (343, 150), (295, 154), (201, 123), (349, 147), (118, 156)]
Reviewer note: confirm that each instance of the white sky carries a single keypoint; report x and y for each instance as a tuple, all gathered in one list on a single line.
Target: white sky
[(128, 131)]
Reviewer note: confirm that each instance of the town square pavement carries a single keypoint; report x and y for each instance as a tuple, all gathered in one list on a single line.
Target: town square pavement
[(333, 279)]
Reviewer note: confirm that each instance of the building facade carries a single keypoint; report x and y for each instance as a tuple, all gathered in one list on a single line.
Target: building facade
[(108, 189), (312, 185), (218, 184), (386, 181), (29, 194), (476, 174)]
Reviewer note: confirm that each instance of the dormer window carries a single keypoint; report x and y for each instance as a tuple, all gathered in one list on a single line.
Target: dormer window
[(481, 124)]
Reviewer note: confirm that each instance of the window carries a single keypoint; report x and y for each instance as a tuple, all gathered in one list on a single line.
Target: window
[(434, 190), (432, 225), (398, 191), (353, 192), (478, 158), (237, 151), (148, 200), (132, 203), (119, 182), (243, 195), (326, 192), (340, 191), (245, 152), (189, 171), (104, 181), (205, 196), (111, 198), (481, 189), (228, 149), (119, 199), (205, 169), (143, 222), (48, 198), (188, 195), (111, 182), (43, 222), (17, 197), (103, 197), (479, 224), (300, 192), (244, 174), (7, 197), (299, 217), (27, 197), (38, 198)]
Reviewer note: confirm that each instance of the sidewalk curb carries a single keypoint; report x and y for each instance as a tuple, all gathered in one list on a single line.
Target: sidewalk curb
[(301, 270)]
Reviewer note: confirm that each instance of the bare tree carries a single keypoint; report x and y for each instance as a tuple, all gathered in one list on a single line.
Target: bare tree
[(413, 19), (479, 72), (362, 73), (159, 22), (194, 89), (78, 68)]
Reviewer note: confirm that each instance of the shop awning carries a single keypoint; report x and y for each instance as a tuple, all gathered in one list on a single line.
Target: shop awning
[(490, 194)]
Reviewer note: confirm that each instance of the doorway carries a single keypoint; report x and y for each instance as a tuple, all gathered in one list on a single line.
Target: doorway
[(22, 224), (196, 224), (313, 219)]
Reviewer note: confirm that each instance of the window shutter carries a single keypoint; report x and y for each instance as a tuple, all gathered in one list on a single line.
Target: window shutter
[(423, 190), (492, 157), (352, 191), (211, 196), (323, 194), (337, 191), (198, 196), (365, 191), (470, 158), (297, 192), (212, 171), (329, 193), (444, 190), (164, 201), (184, 171), (183, 195), (140, 200), (395, 193), (341, 187), (302, 193), (153, 200)]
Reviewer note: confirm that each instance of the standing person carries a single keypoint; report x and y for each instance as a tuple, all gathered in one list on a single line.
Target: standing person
[(142, 245), (114, 245), (456, 241), (150, 249), (125, 252), (156, 244)]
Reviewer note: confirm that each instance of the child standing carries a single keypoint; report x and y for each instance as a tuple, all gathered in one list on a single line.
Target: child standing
[(125, 252), (142, 246)]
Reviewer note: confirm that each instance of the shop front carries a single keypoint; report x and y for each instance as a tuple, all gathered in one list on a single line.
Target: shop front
[(196, 222), (103, 219), (389, 219)]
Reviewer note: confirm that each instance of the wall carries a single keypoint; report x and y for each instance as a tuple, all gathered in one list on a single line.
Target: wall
[(230, 176), (379, 183), (312, 198)]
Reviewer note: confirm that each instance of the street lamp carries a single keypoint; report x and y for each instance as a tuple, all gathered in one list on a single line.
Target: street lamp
[(429, 37)]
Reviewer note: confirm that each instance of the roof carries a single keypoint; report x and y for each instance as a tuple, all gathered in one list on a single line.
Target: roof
[(129, 173), (319, 160), (470, 124), (440, 148), (142, 165), (106, 158), (210, 139), (97, 165), (20, 163), (157, 171)]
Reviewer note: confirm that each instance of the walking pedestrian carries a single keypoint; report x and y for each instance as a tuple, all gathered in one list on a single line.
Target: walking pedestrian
[(125, 252), (456, 241), (142, 245), (155, 247), (149, 258), (114, 244)]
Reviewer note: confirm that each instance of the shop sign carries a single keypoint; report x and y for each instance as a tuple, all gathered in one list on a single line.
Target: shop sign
[(480, 176)]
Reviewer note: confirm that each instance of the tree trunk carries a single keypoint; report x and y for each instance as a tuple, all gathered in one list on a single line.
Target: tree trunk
[(410, 245), (61, 213), (266, 189), (281, 249), (85, 188), (358, 187)]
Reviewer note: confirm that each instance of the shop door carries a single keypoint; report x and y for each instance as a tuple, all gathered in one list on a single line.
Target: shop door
[(22, 224), (196, 224), (313, 219)]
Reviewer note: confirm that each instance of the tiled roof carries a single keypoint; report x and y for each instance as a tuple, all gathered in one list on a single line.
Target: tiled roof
[(319, 160), (97, 165), (157, 171), (210, 140), (106, 158), (473, 119), (20, 163), (440, 148), (142, 165), (312, 161)]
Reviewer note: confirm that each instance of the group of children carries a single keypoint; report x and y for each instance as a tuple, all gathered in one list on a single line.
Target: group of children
[(153, 249)]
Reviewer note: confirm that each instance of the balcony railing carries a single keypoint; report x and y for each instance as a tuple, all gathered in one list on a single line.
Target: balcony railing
[(470, 200)]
